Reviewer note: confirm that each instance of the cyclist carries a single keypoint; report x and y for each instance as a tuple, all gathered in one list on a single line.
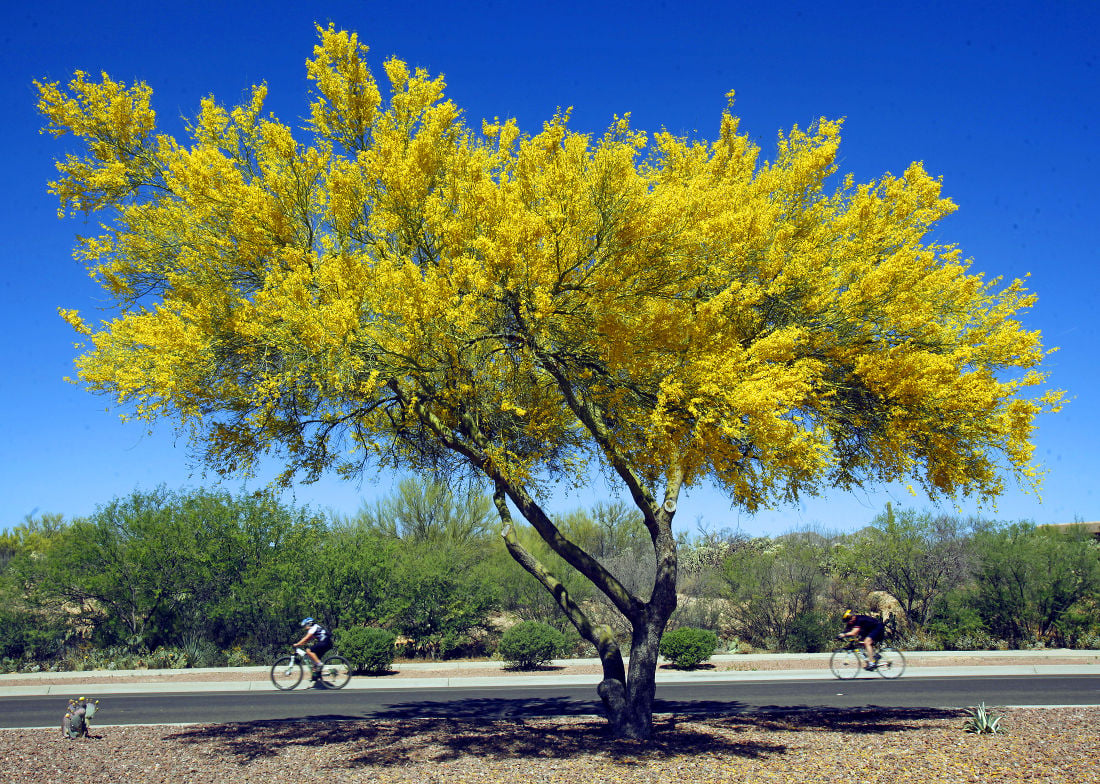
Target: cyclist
[(322, 642), (868, 630)]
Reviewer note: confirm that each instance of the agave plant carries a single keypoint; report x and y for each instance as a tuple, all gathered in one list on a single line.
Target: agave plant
[(982, 721)]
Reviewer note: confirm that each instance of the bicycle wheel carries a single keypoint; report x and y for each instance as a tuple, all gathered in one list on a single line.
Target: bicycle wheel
[(286, 672), (845, 663), (891, 664), (335, 672)]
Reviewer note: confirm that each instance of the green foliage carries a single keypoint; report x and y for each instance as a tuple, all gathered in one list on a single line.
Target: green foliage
[(918, 640), (915, 557), (613, 533), (607, 531), (436, 597), (352, 574), (120, 657), (29, 635), (368, 649), (810, 632), (521, 595), (688, 647), (1029, 579), (236, 657), (983, 721), (1079, 626), (423, 511), (177, 578), (30, 539), (776, 590), (531, 644), (161, 568)]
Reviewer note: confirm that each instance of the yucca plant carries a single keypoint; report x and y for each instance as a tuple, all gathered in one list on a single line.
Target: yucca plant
[(982, 721)]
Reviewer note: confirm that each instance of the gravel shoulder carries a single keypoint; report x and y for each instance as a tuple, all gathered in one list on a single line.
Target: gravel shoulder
[(913, 746), (908, 746)]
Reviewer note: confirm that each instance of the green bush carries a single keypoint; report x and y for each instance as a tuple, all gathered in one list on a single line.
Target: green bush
[(530, 644), (810, 632), (688, 647), (368, 649)]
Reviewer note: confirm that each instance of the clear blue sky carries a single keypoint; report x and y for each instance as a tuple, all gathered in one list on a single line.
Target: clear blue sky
[(1000, 99)]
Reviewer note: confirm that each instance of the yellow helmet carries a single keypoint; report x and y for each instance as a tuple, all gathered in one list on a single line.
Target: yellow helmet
[(847, 614)]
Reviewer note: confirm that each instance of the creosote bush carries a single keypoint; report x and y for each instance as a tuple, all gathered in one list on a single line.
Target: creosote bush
[(531, 644), (688, 647), (367, 648)]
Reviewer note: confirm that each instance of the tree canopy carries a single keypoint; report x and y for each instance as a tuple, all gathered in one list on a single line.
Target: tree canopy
[(401, 289)]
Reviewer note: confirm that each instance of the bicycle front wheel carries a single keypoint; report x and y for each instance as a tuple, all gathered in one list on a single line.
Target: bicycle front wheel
[(286, 672), (335, 672), (891, 664), (845, 663)]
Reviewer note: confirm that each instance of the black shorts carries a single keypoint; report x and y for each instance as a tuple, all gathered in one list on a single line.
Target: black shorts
[(876, 633), (321, 647)]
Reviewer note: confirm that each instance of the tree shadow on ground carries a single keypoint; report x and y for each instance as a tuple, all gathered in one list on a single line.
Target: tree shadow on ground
[(375, 673), (396, 738)]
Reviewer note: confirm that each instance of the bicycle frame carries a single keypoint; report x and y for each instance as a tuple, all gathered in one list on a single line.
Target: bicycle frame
[(287, 671), (888, 661)]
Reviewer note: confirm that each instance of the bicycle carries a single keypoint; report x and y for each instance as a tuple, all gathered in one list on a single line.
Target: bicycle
[(287, 671), (850, 661)]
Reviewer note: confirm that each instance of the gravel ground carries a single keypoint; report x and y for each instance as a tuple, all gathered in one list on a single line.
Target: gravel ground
[(866, 745)]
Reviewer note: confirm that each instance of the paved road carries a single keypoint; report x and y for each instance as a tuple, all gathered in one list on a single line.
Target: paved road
[(697, 696)]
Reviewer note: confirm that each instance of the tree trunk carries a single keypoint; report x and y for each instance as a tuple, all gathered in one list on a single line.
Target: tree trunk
[(629, 701), (627, 693)]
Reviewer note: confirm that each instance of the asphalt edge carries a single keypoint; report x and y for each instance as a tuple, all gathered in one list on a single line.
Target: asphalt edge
[(527, 681)]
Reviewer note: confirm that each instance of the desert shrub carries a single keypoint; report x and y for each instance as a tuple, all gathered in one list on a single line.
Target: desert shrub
[(688, 647), (367, 648), (200, 652), (703, 613), (31, 636), (237, 657), (530, 644), (810, 632), (918, 640), (1089, 642), (974, 641)]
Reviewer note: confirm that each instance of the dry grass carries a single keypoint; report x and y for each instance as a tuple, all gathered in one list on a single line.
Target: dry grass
[(912, 746)]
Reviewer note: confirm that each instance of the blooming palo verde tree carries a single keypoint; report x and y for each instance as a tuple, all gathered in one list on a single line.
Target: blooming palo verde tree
[(402, 290)]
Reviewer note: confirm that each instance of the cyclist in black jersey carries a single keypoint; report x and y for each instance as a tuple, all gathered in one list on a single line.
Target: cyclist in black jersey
[(868, 630), (322, 642)]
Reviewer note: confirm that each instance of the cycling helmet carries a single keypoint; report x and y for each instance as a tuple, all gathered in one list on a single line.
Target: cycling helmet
[(306, 622), (847, 614)]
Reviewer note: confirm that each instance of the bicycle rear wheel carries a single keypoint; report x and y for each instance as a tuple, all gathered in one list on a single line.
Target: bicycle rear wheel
[(845, 663), (335, 672), (286, 672), (891, 664)]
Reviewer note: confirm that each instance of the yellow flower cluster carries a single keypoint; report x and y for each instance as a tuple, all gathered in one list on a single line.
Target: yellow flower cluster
[(399, 287)]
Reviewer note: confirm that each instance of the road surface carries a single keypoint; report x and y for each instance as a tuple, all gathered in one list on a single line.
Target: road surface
[(699, 697)]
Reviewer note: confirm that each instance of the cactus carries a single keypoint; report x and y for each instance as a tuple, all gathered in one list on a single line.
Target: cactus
[(77, 716)]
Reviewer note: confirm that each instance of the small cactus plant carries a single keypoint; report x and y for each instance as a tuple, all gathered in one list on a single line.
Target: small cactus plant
[(77, 717)]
